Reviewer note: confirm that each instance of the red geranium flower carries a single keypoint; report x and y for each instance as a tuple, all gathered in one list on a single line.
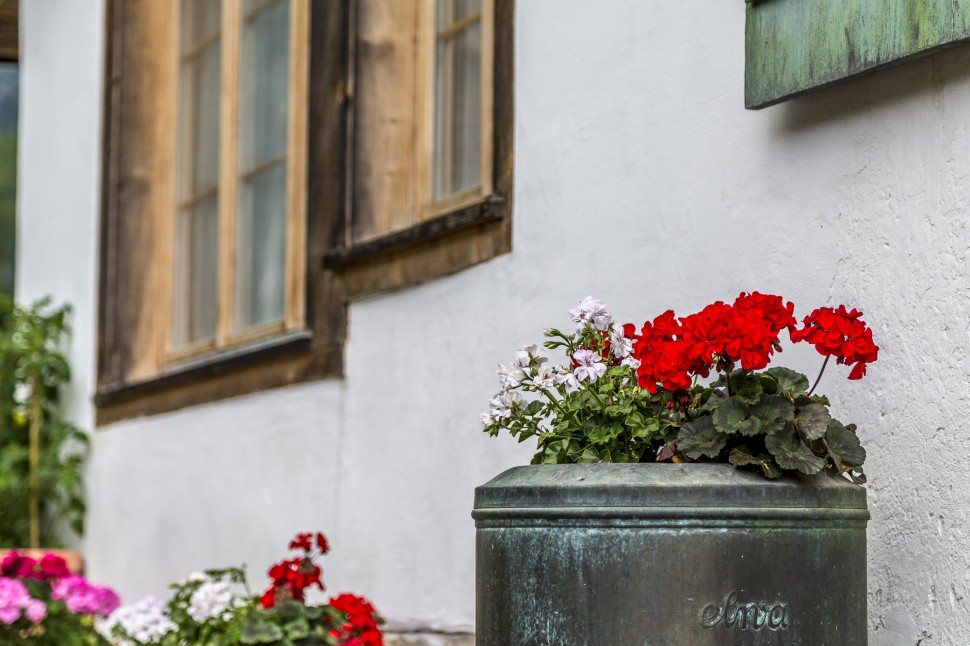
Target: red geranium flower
[(842, 334)]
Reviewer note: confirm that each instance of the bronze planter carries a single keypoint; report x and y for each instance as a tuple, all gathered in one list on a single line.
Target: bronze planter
[(669, 555)]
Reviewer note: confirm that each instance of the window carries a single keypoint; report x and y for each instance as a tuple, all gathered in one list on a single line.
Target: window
[(209, 222), (239, 225), (267, 161), (793, 46), (431, 142)]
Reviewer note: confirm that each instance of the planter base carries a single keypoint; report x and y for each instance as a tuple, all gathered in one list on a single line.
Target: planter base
[(664, 555)]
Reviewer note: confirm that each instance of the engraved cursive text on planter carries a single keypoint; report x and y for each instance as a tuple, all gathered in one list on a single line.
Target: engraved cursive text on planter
[(753, 615)]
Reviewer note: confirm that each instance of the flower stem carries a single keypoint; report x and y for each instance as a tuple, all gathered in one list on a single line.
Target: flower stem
[(33, 500), (820, 372)]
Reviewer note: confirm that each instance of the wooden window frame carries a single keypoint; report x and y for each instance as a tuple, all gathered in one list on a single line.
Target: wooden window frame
[(227, 338), (136, 177), (457, 235), (134, 172)]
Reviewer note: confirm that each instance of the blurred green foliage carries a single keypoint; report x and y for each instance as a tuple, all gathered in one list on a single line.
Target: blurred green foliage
[(31, 339)]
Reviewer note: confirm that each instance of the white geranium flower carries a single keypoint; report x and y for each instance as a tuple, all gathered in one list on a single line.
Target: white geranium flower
[(506, 404), (529, 356), (487, 420), (510, 377), (144, 621), (566, 378), (545, 377), (590, 365), (620, 346), (591, 311), (209, 600), (630, 361)]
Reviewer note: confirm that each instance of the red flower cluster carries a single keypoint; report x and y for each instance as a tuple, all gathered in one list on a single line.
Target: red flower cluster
[(292, 577), (50, 567), (360, 628), (672, 351), (841, 334)]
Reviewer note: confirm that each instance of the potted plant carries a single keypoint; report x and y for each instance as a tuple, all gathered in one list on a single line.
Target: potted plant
[(678, 487), (217, 608), (41, 454), (42, 603)]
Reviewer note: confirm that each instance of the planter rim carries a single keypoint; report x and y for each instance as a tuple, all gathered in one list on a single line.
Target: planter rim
[(638, 488)]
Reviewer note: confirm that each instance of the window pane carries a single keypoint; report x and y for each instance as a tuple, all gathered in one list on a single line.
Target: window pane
[(264, 83), (200, 20), (8, 175), (199, 122), (197, 226), (458, 99), (195, 276), (449, 12), (261, 248), (261, 224)]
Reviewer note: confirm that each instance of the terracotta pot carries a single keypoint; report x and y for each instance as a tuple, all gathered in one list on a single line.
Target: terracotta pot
[(75, 563)]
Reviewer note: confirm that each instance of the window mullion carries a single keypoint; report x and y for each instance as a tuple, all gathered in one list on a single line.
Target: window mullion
[(228, 165), (296, 152), (487, 91)]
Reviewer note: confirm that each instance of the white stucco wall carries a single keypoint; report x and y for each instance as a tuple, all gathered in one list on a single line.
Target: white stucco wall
[(640, 179), (58, 184)]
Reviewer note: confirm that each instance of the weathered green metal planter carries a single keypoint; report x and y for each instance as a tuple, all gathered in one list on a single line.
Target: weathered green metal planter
[(669, 555)]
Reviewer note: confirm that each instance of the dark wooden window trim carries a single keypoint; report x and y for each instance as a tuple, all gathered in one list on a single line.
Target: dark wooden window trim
[(209, 366), (315, 353), (484, 212), (9, 31), (458, 239)]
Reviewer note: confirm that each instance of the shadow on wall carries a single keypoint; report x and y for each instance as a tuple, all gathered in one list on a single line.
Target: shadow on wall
[(878, 90)]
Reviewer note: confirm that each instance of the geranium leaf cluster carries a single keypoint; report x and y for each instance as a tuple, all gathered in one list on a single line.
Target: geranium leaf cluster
[(686, 389), (217, 608), (769, 422), (590, 410)]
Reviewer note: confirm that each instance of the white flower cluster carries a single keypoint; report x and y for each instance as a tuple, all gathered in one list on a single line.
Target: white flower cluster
[(529, 369), (144, 621), (211, 599), (592, 312)]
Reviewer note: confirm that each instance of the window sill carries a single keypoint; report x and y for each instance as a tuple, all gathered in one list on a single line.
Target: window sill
[(492, 209), (239, 371)]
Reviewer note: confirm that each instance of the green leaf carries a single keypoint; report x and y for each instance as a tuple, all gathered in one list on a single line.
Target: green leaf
[(298, 629), (750, 427), (788, 381), (534, 407), (716, 398), (700, 438), (648, 428), (261, 632), (741, 456), (771, 469), (768, 384), (845, 444), (748, 390), (589, 456), (729, 415), (791, 453), (812, 421), (773, 411)]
